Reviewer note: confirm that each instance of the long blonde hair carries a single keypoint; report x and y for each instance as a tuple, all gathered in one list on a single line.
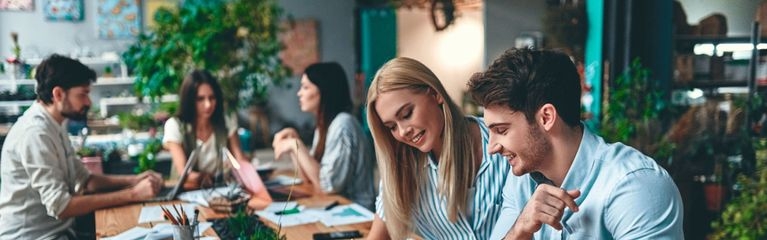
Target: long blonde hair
[(402, 166)]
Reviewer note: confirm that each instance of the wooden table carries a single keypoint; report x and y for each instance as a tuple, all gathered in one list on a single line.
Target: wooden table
[(113, 221)]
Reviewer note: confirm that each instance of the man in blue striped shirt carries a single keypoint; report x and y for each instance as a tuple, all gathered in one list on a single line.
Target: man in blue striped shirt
[(573, 185)]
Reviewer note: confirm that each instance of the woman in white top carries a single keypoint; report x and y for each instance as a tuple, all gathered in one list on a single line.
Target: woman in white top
[(341, 160), (200, 123), (438, 179)]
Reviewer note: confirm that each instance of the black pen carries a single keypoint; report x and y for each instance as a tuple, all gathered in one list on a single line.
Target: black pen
[(332, 205)]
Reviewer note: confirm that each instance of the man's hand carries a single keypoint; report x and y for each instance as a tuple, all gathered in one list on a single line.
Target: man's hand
[(546, 206), (151, 175), (145, 189)]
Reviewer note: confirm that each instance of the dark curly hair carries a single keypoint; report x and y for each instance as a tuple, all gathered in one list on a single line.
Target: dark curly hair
[(59, 71), (526, 79)]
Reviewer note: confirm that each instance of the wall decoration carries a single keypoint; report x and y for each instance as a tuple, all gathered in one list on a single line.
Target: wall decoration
[(151, 6), (17, 5), (117, 19), (300, 40), (63, 10)]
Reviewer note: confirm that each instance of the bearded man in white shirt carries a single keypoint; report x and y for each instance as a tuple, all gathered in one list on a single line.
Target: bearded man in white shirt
[(44, 184)]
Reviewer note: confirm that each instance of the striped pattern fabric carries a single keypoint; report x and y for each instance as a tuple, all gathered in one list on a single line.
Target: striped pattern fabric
[(430, 220)]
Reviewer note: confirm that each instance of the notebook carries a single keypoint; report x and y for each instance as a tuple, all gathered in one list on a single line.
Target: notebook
[(245, 173)]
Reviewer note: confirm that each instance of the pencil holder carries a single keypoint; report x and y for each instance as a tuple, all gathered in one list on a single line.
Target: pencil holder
[(182, 232)]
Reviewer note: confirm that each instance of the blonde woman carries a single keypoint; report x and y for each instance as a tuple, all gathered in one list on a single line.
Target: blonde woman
[(437, 179)]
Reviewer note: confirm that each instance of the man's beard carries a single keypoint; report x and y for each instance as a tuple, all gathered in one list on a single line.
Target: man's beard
[(70, 113)]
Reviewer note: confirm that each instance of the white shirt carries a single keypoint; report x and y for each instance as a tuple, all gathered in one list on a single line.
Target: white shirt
[(40, 174), (209, 159)]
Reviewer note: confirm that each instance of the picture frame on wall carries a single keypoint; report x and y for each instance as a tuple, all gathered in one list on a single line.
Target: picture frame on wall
[(301, 44), (64, 10), (17, 5), (118, 19)]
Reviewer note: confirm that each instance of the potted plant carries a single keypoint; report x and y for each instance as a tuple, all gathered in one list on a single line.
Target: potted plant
[(242, 225), (637, 113), (745, 217), (91, 158), (147, 159), (236, 40)]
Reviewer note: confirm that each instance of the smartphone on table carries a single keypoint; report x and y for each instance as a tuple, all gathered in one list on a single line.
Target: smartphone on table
[(337, 235)]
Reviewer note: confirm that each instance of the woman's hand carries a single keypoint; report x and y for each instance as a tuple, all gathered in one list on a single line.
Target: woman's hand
[(285, 134), (284, 146), (197, 180)]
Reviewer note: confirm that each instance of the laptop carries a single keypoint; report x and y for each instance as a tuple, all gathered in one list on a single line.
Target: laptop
[(170, 193)]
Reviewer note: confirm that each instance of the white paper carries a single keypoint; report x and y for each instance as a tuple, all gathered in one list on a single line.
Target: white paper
[(159, 231), (279, 206), (345, 214), (154, 213), (130, 234), (200, 197), (289, 220)]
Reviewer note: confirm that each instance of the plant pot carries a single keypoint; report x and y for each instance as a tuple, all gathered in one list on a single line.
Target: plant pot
[(93, 164), (715, 194)]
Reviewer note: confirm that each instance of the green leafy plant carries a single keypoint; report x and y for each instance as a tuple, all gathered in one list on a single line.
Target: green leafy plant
[(242, 225), (86, 151), (635, 113), (138, 122), (148, 157), (745, 216), (236, 40)]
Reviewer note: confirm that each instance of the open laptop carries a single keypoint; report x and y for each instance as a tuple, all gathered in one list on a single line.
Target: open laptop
[(170, 193)]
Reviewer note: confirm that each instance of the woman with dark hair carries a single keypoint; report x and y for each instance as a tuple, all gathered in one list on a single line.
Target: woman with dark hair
[(341, 159), (200, 124)]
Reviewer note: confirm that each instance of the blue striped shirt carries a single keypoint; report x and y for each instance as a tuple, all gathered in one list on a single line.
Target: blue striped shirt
[(430, 219)]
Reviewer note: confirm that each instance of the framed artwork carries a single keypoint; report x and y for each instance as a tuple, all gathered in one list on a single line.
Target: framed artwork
[(300, 40), (118, 19), (17, 5), (63, 10), (151, 7)]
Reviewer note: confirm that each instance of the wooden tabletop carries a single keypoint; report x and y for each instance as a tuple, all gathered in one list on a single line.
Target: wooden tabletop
[(113, 221)]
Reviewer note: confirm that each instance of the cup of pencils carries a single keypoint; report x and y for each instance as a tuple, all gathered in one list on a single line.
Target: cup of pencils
[(183, 229), (182, 232)]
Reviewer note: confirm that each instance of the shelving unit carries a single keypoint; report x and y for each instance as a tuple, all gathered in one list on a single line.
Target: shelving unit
[(102, 90)]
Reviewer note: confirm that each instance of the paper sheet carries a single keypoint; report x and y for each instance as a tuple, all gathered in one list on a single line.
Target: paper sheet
[(345, 214), (130, 234), (279, 206), (200, 197), (289, 220), (154, 213), (339, 215), (159, 231)]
